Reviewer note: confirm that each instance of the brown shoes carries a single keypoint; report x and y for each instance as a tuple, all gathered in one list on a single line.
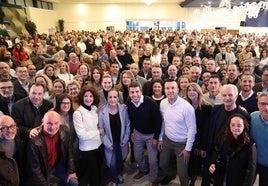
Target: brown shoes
[(139, 175)]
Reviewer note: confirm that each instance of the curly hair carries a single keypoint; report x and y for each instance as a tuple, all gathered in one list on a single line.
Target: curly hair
[(94, 92)]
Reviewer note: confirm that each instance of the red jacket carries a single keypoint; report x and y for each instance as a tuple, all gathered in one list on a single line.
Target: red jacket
[(19, 56)]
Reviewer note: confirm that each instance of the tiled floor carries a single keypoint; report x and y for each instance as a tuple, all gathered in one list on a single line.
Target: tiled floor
[(131, 169)]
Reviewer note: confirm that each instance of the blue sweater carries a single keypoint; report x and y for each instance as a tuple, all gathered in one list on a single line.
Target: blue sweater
[(146, 118), (259, 132)]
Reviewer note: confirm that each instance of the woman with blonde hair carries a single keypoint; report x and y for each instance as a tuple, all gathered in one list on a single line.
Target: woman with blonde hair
[(202, 108), (96, 59), (126, 78), (58, 88), (73, 88), (183, 81), (44, 80), (134, 54), (85, 71), (65, 72)]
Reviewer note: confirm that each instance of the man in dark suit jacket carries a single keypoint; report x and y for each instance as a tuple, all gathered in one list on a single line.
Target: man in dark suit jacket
[(197, 52), (7, 96), (146, 69), (21, 85), (169, 53), (263, 85), (29, 111)]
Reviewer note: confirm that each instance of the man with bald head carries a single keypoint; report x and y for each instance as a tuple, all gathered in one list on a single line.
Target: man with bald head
[(10, 150), (50, 152), (172, 72), (194, 75), (217, 124)]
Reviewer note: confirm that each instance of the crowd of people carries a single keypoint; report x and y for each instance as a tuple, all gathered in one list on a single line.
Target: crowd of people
[(73, 104)]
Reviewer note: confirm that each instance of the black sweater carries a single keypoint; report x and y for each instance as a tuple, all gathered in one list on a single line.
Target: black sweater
[(146, 118)]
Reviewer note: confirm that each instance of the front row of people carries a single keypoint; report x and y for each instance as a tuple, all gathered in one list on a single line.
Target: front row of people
[(230, 156)]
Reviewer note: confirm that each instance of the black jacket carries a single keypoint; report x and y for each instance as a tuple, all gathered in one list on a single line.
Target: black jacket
[(4, 103), (12, 168), (27, 116), (38, 160), (239, 167), (217, 124), (19, 90)]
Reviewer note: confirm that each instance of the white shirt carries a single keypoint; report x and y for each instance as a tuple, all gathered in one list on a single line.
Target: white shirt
[(179, 123)]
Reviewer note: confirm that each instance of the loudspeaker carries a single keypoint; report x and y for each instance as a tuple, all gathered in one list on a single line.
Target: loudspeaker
[(242, 23)]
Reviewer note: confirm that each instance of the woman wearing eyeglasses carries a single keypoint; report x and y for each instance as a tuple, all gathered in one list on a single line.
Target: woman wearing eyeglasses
[(65, 109)]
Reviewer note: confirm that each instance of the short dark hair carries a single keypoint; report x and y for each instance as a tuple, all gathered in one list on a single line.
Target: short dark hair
[(3, 80), (93, 91), (134, 84), (120, 47), (215, 76), (38, 85), (171, 80)]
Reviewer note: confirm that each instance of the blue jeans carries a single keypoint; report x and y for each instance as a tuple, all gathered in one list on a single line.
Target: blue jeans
[(140, 140), (60, 171), (116, 162)]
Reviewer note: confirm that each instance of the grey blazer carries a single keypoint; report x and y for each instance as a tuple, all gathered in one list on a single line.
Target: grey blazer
[(107, 139)]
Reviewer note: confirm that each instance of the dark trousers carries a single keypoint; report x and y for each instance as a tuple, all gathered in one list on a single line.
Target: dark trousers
[(263, 175), (89, 168)]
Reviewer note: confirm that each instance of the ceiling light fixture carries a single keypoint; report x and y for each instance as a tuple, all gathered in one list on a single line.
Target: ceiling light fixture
[(251, 10), (148, 2)]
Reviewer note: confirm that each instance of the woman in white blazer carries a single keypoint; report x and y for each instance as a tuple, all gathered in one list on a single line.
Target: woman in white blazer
[(85, 120), (114, 120)]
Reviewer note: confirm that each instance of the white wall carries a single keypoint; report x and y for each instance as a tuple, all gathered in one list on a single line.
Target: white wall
[(44, 19), (98, 16), (94, 16)]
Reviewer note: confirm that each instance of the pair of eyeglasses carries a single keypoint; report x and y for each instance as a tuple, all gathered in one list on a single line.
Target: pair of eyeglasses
[(65, 103), (4, 88), (6, 128)]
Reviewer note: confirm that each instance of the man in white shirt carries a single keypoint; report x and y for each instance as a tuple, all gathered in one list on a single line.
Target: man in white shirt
[(178, 133)]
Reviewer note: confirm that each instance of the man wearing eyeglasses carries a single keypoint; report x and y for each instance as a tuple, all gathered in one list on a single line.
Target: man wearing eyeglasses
[(21, 85), (7, 96), (11, 154), (259, 133)]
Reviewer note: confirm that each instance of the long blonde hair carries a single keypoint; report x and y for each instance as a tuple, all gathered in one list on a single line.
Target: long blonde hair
[(201, 100)]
